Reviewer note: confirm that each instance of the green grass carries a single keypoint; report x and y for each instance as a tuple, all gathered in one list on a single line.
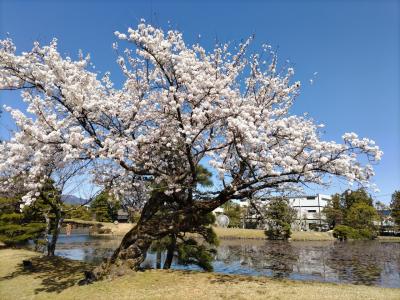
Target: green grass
[(56, 279)]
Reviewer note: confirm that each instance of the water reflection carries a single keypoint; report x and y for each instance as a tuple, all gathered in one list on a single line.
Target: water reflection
[(276, 258), (370, 262), (86, 248), (367, 263)]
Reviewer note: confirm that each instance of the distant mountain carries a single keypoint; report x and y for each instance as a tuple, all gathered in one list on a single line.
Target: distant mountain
[(71, 199)]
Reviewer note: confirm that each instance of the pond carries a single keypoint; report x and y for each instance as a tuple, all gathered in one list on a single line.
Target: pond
[(357, 262)]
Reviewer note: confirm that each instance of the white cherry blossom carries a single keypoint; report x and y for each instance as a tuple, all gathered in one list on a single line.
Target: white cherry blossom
[(178, 107)]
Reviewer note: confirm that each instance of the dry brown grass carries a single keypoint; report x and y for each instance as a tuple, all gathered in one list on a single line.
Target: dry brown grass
[(312, 236), (56, 279), (238, 233), (116, 229), (389, 238), (119, 229)]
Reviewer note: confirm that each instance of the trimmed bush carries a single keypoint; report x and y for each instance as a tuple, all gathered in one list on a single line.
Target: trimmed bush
[(343, 232)]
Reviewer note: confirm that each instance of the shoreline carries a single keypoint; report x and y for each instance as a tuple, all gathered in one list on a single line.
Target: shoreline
[(121, 229), (56, 278)]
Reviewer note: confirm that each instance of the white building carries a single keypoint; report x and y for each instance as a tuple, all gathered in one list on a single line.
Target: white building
[(309, 211)]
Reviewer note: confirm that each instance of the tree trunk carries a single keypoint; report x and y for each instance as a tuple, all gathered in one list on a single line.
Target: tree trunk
[(170, 253), (51, 245), (158, 259), (48, 227), (156, 222), (135, 244), (130, 254)]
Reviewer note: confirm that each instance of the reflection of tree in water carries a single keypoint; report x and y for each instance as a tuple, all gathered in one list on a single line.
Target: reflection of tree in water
[(97, 255), (357, 262), (369, 262), (275, 256), (282, 257), (92, 250)]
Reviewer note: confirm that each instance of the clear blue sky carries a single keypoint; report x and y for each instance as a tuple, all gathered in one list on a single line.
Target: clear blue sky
[(353, 45)]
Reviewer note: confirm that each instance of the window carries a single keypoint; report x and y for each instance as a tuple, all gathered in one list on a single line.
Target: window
[(312, 211)]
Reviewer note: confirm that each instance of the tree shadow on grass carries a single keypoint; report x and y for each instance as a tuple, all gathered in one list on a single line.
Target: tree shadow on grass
[(57, 274), (224, 278), (238, 279), (218, 278)]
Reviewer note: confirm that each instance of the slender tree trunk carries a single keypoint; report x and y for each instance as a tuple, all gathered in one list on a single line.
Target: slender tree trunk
[(47, 231), (158, 259), (51, 245), (170, 253)]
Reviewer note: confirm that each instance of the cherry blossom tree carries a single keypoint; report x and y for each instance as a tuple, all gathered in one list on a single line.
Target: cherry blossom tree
[(179, 108)]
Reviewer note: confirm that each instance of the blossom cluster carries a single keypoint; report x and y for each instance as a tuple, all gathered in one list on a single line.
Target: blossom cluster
[(179, 106)]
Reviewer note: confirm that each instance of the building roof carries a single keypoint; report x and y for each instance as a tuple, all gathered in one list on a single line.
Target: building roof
[(296, 197)]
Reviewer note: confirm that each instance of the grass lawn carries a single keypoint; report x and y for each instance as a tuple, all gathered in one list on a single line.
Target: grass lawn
[(56, 279), (389, 238), (116, 229), (238, 233)]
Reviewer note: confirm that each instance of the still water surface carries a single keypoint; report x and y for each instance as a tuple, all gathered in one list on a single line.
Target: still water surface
[(358, 262)]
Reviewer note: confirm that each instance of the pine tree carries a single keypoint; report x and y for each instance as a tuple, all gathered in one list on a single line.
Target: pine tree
[(18, 227), (185, 248), (334, 212), (105, 208), (395, 207), (279, 215)]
